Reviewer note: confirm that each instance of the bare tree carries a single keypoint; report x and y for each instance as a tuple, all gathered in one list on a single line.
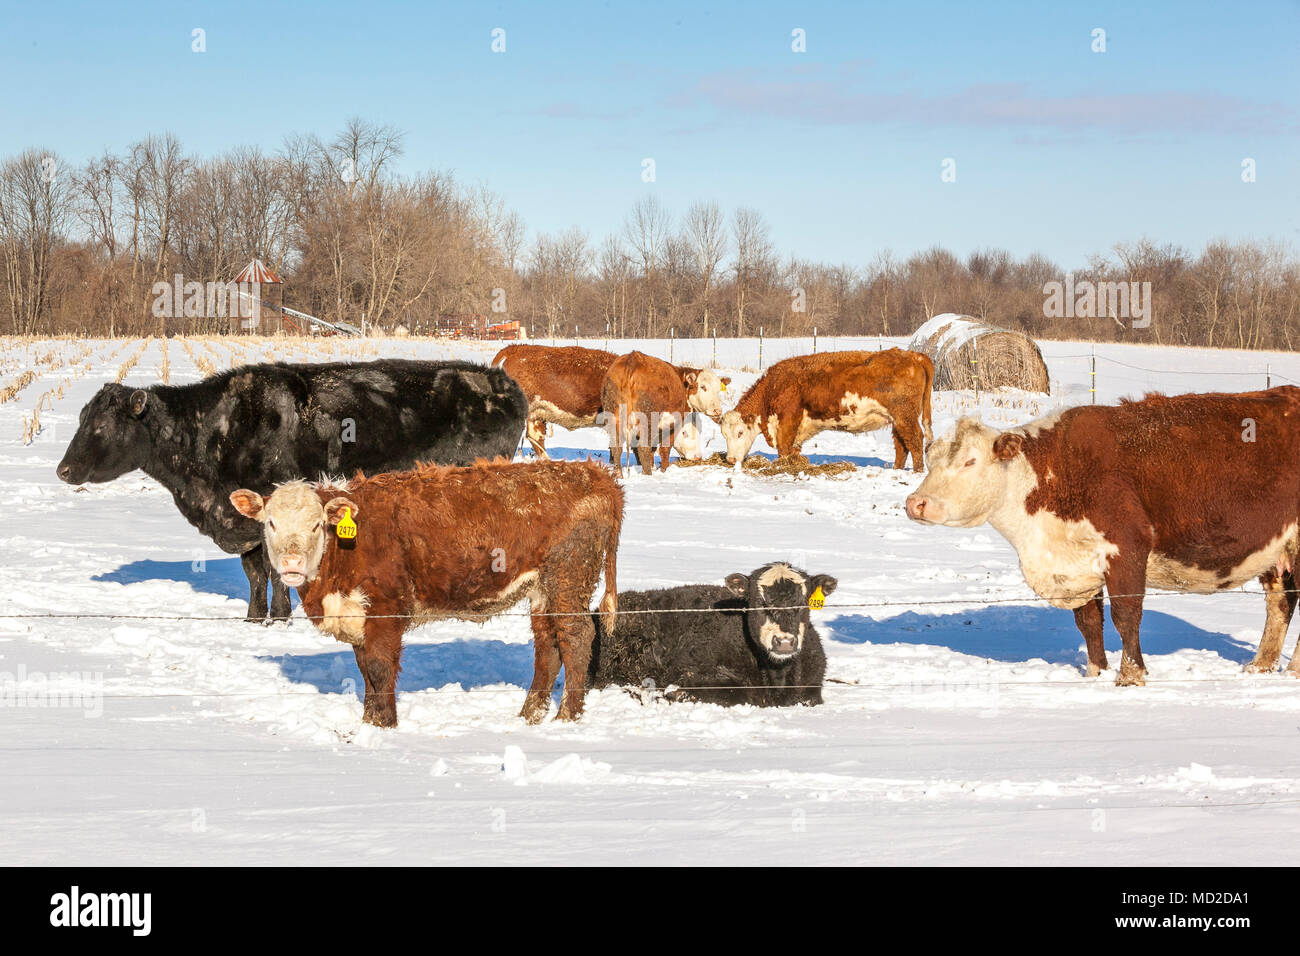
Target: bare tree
[(753, 257), (707, 234)]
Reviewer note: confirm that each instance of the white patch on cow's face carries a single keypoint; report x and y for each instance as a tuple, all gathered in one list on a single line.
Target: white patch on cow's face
[(706, 396), (779, 643), (965, 482), (687, 440), (740, 435), (293, 528)]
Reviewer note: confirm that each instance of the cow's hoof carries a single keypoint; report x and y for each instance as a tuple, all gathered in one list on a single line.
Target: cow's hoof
[(569, 713), (381, 719), (535, 708), (1092, 670), (1131, 676), (1260, 667), (1292, 672)]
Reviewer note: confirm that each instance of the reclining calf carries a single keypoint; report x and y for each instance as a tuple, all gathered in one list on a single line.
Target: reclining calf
[(750, 642)]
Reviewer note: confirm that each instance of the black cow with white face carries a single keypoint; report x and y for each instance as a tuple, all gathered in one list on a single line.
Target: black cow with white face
[(260, 425), (750, 642)]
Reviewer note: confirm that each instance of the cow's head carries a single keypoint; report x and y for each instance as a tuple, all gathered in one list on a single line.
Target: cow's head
[(968, 476), (113, 437), (776, 606), (704, 390), (740, 434), (688, 441), (295, 520)]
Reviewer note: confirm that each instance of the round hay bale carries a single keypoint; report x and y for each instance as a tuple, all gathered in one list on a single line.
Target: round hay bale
[(963, 348)]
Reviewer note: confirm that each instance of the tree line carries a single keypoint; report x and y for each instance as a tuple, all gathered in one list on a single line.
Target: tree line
[(83, 247)]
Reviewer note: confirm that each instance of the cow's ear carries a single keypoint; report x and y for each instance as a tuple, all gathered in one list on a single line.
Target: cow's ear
[(726, 380), (334, 509), (823, 581), (688, 378), (249, 504), (139, 401), (738, 583), (1007, 445)]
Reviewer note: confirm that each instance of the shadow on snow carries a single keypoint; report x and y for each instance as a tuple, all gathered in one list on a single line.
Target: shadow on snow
[(1017, 633)]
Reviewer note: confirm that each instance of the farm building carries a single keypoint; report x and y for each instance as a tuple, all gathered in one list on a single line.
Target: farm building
[(968, 354)]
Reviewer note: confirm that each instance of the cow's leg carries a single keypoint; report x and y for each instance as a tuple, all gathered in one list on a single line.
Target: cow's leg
[(256, 571), (900, 450), (536, 431), (546, 668), (910, 436), (574, 635), (379, 660), (1091, 622), (1126, 579), (1279, 605), (787, 430)]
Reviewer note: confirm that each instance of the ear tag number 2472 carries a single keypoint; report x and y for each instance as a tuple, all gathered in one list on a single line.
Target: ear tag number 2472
[(346, 528)]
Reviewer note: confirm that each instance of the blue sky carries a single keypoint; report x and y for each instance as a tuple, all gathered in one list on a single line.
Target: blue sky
[(1058, 149)]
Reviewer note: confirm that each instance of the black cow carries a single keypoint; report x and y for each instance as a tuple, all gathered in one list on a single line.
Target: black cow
[(761, 649), (259, 425)]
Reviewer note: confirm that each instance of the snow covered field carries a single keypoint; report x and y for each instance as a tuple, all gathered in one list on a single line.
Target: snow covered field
[(958, 728)]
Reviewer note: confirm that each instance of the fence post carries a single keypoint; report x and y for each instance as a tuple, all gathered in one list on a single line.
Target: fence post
[(814, 340), (760, 348), (715, 347), (1268, 375), (975, 366), (672, 340), (575, 333), (1093, 387)]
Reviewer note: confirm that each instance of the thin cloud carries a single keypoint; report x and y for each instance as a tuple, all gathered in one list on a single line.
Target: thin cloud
[(830, 100)]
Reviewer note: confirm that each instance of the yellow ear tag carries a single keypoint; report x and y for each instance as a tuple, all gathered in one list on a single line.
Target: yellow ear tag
[(817, 600), (346, 528), (724, 386)]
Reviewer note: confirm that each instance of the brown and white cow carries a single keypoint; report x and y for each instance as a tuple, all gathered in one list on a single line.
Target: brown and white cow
[(563, 387), (842, 391), (645, 401), (1184, 493), (451, 542)]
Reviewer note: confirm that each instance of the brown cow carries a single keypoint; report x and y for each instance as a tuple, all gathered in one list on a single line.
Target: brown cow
[(845, 391), (1185, 493), (449, 542), (563, 387), (645, 401)]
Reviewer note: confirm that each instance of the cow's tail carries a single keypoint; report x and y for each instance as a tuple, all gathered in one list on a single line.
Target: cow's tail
[(925, 400), (609, 602)]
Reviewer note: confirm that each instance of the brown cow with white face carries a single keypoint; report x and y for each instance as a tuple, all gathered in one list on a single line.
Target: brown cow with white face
[(1192, 493), (563, 386), (837, 391), (445, 542), (646, 401)]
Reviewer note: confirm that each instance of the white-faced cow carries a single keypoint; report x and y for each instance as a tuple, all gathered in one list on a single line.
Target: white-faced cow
[(842, 391), (259, 425), (1184, 493), (443, 542)]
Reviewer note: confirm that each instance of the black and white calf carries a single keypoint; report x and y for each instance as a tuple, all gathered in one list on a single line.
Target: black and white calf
[(750, 642)]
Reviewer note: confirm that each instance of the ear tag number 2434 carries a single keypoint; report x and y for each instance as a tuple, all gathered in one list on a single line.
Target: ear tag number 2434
[(346, 528), (816, 600)]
